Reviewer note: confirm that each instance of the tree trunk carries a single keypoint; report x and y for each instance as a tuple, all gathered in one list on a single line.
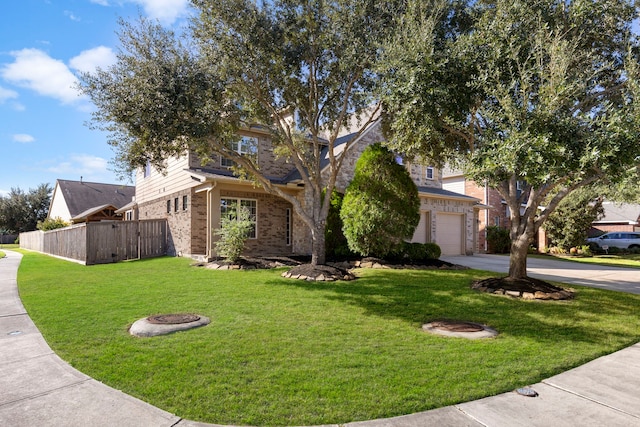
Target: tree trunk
[(318, 253), (518, 257)]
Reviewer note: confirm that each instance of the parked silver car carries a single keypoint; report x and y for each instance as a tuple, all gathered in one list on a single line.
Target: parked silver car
[(623, 240)]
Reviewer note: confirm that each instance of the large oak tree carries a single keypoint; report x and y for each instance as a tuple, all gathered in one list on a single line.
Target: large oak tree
[(535, 99), (298, 68)]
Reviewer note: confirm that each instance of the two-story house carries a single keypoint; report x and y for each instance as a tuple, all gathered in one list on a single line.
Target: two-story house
[(193, 197)]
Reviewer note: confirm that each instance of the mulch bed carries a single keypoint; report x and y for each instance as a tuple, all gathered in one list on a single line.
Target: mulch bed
[(525, 288), (333, 270)]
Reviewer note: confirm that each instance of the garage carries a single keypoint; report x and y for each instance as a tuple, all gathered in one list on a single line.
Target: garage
[(422, 234), (449, 233)]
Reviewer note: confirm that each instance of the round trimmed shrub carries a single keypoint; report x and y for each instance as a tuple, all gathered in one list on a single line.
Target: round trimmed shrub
[(381, 207)]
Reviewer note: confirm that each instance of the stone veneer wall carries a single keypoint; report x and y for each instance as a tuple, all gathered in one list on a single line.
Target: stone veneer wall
[(434, 206)]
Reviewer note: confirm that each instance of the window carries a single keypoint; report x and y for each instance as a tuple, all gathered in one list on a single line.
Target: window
[(246, 146), (520, 187), (175, 204), (184, 202), (229, 206), (147, 169), (168, 206), (287, 228), (496, 221), (429, 172)]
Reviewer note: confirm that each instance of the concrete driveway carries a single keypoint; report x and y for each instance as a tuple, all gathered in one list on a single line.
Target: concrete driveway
[(596, 276)]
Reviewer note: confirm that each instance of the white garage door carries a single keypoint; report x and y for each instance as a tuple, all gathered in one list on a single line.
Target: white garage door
[(449, 232)]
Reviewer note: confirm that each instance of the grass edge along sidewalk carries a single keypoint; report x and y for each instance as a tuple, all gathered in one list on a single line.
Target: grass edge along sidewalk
[(287, 352)]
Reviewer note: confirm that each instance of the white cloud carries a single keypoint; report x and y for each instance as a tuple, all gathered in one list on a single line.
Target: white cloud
[(6, 94), (165, 11), (100, 2), (89, 60), (23, 138), (36, 70), (72, 16), (81, 164)]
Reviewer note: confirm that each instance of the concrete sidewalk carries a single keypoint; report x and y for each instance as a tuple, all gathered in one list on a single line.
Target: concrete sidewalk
[(38, 389)]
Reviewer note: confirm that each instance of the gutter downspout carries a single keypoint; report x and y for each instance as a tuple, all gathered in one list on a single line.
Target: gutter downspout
[(209, 219), (486, 215)]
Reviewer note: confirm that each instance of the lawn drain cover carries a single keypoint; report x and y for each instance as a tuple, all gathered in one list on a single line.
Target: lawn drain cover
[(166, 323), (457, 328), (172, 319)]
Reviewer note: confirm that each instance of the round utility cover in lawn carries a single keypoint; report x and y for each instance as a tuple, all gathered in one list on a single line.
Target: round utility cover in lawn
[(166, 324)]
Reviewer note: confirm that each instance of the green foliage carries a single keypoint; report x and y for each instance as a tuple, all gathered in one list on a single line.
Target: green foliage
[(544, 93), (336, 243), (381, 205), (20, 211), (242, 63), (568, 226), (52, 224), (498, 240), (415, 253), (233, 233)]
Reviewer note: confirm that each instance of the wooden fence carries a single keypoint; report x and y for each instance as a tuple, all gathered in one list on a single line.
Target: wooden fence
[(101, 242)]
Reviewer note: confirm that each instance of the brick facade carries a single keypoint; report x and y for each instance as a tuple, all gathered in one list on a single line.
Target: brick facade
[(180, 221), (272, 212), (279, 230)]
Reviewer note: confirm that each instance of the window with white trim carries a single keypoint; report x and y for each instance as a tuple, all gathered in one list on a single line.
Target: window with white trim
[(246, 146), (429, 172), (229, 208)]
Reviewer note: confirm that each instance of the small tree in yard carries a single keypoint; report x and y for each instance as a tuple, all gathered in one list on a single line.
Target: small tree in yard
[(538, 99), (381, 205), (233, 232)]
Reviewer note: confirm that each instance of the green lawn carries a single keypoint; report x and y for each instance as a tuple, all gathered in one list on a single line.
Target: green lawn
[(287, 352)]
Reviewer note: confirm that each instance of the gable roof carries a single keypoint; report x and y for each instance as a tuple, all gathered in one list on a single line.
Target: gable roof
[(81, 196), (621, 213)]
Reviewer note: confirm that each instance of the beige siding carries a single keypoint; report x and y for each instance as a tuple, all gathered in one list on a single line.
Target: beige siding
[(455, 184), (59, 207), (158, 185)]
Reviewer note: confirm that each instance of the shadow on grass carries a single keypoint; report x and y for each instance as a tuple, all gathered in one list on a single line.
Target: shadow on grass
[(418, 297)]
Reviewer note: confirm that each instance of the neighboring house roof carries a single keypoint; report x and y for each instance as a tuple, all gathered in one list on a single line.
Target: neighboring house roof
[(129, 206), (80, 196), (620, 213)]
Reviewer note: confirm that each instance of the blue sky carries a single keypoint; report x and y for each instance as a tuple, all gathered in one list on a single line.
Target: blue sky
[(44, 44)]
